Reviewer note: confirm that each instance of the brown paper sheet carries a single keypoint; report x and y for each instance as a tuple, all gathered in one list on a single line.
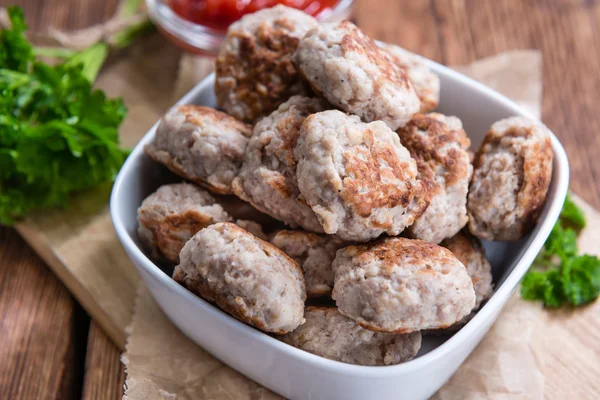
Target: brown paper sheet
[(163, 364), (515, 74), (518, 359)]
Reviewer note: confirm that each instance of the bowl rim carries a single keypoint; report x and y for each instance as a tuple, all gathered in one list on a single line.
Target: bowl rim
[(496, 301)]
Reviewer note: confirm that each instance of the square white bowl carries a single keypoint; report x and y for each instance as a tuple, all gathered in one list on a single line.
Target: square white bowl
[(297, 374)]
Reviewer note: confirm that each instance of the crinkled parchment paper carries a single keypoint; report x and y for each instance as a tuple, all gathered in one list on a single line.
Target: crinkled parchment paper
[(511, 361)]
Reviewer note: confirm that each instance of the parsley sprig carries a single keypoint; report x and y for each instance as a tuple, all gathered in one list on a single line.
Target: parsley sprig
[(57, 134), (559, 275)]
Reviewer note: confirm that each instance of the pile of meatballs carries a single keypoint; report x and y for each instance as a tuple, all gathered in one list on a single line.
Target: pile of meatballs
[(326, 204)]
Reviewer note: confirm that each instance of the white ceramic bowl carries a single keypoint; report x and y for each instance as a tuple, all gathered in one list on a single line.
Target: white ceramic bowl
[(297, 374)]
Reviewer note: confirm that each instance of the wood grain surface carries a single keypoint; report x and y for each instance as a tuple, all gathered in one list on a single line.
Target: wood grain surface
[(104, 374), (40, 331), (43, 331)]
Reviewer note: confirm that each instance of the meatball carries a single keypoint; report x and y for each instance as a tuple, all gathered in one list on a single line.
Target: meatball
[(357, 177), (471, 254), (425, 82), (314, 253), (346, 67), (246, 277), (255, 72), (400, 285), (170, 216), (202, 145), (267, 178), (239, 209), (511, 177), (329, 334), (252, 227), (439, 145)]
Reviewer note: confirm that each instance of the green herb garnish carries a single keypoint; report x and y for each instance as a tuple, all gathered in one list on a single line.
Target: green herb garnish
[(57, 134), (559, 275)]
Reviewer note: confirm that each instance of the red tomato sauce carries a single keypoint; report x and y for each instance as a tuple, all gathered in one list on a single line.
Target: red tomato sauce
[(219, 14)]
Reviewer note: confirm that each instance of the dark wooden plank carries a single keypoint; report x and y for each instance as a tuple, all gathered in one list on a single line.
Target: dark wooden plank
[(566, 31), (64, 14), (39, 336), (43, 331), (104, 373)]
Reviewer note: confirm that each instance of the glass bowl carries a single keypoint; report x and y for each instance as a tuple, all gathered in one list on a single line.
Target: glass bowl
[(201, 39)]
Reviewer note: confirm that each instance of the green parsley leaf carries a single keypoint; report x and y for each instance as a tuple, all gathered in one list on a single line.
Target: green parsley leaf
[(559, 275), (581, 279), (57, 134), (562, 242), (572, 215), (16, 52), (545, 286)]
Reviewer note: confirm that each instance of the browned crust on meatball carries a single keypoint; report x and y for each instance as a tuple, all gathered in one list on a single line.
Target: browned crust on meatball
[(378, 165), (534, 186), (357, 177), (199, 116), (263, 72), (255, 86), (172, 214), (426, 150), (389, 250), (535, 173), (192, 115), (164, 233), (356, 41), (304, 238), (424, 81), (267, 178)]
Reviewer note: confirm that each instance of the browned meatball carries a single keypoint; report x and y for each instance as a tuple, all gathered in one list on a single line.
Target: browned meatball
[(471, 254), (246, 277), (424, 80), (314, 253), (357, 177), (399, 285), (202, 145), (170, 216), (254, 68), (439, 145), (329, 334), (511, 177), (345, 66), (267, 178), (253, 227)]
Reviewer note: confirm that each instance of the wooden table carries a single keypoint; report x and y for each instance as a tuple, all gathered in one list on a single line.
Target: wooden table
[(50, 349)]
